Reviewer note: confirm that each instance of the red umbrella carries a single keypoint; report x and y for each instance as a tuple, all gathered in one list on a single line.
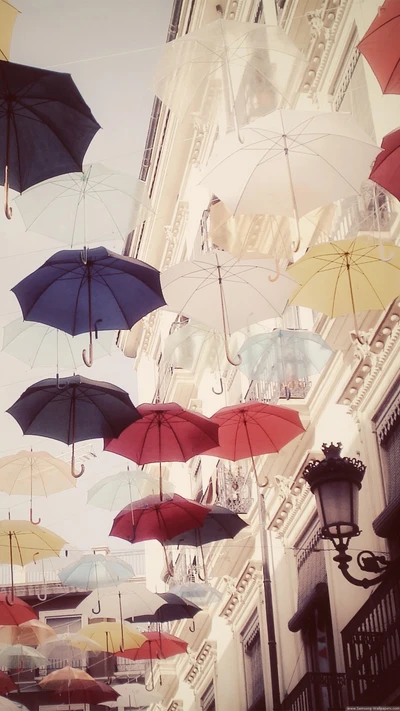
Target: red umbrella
[(158, 645), (166, 433), (386, 169), (6, 684), (85, 692), (381, 46), (16, 611), (253, 428), (150, 518)]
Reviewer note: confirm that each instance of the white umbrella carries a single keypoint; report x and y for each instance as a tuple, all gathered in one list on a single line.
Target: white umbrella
[(8, 705), (123, 601), (76, 208), (290, 162), (68, 647), (135, 695), (227, 293)]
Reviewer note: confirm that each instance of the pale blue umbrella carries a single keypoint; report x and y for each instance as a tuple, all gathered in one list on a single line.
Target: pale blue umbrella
[(18, 656), (284, 356), (199, 593), (95, 571), (115, 492)]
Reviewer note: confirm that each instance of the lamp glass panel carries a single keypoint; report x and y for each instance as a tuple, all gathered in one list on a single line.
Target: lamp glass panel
[(337, 504)]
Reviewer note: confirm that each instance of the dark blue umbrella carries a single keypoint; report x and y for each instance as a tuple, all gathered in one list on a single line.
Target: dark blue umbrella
[(45, 126), (74, 409), (90, 290), (174, 608)]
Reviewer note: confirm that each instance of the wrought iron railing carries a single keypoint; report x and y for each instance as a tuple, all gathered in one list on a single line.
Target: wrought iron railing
[(371, 643), (233, 487), (317, 692)]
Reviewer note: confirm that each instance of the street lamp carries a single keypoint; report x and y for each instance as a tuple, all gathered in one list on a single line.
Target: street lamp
[(335, 482)]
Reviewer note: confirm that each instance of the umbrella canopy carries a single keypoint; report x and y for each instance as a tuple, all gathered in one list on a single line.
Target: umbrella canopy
[(18, 656), (219, 524), (90, 290), (182, 348), (73, 409), (85, 692), (95, 571), (45, 126), (158, 645), (174, 608), (61, 678), (16, 613), (227, 293), (125, 601), (8, 15), (136, 695), (77, 208), (23, 542), (198, 593), (116, 491), (290, 162), (42, 346), (284, 356), (380, 47), (113, 637), (8, 705), (30, 633), (386, 169), (224, 53), (6, 684), (253, 428), (166, 432), (68, 647), (346, 277), (34, 473)]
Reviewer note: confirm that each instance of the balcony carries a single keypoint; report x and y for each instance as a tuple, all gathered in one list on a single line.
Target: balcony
[(371, 643), (325, 692)]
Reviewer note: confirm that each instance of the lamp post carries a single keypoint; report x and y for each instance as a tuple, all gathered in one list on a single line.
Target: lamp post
[(335, 482)]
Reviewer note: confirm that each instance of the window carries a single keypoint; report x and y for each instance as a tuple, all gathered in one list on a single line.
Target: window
[(253, 667), (207, 701), (65, 623)]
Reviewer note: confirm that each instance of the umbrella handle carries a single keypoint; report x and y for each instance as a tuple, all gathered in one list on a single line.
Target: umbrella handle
[(278, 272), (60, 387), (382, 253), (97, 612), (35, 523), (221, 385), (192, 626), (88, 361), (96, 329), (229, 358), (10, 600), (152, 677), (77, 476), (7, 209)]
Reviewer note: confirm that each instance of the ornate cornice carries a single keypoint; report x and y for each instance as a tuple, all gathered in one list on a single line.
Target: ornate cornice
[(175, 705), (174, 232), (241, 590), (371, 352), (201, 663), (293, 494)]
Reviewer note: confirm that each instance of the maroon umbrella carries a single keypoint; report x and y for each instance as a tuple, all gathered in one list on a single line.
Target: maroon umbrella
[(158, 645), (14, 611), (6, 684), (150, 518), (386, 169), (381, 46), (166, 432), (81, 691)]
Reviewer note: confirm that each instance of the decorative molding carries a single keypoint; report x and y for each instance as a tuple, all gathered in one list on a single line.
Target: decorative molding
[(174, 232), (241, 590), (233, 8), (292, 494), (370, 357), (201, 663), (346, 79), (175, 705)]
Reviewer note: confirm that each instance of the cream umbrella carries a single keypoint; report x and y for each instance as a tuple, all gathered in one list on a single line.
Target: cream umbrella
[(8, 15), (114, 636)]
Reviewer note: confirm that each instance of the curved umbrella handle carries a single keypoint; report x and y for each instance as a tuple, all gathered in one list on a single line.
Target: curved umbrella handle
[(60, 387), (152, 677), (96, 329), (35, 523), (382, 253), (10, 600), (77, 476), (97, 612), (192, 626), (221, 385), (278, 272), (42, 597), (88, 361), (7, 209), (229, 358)]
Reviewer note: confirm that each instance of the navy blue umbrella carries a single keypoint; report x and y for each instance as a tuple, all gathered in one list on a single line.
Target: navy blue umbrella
[(45, 126), (90, 290), (74, 409), (174, 608)]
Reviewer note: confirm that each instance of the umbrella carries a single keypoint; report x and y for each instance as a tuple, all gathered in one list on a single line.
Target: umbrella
[(166, 433), (125, 601), (61, 679), (386, 169), (290, 162), (380, 47), (174, 608), (113, 637), (85, 692), (253, 428), (114, 492), (6, 684), (198, 593), (30, 633), (23, 542), (8, 15), (158, 645), (136, 695), (73, 409), (284, 356), (42, 346), (226, 54), (346, 277), (34, 473), (90, 290), (68, 647), (45, 126), (8, 705), (95, 205), (95, 571), (16, 613), (226, 293), (18, 656)]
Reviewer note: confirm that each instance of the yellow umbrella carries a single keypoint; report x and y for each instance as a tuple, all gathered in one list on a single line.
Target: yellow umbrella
[(346, 277), (22, 542), (30, 633), (114, 636), (36, 474), (8, 15)]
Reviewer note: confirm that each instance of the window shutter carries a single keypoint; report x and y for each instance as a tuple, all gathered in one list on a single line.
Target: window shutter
[(312, 577)]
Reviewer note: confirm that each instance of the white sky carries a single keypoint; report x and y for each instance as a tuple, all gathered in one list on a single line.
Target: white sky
[(77, 36)]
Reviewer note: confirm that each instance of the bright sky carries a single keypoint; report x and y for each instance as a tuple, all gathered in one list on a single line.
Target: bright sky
[(81, 37)]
